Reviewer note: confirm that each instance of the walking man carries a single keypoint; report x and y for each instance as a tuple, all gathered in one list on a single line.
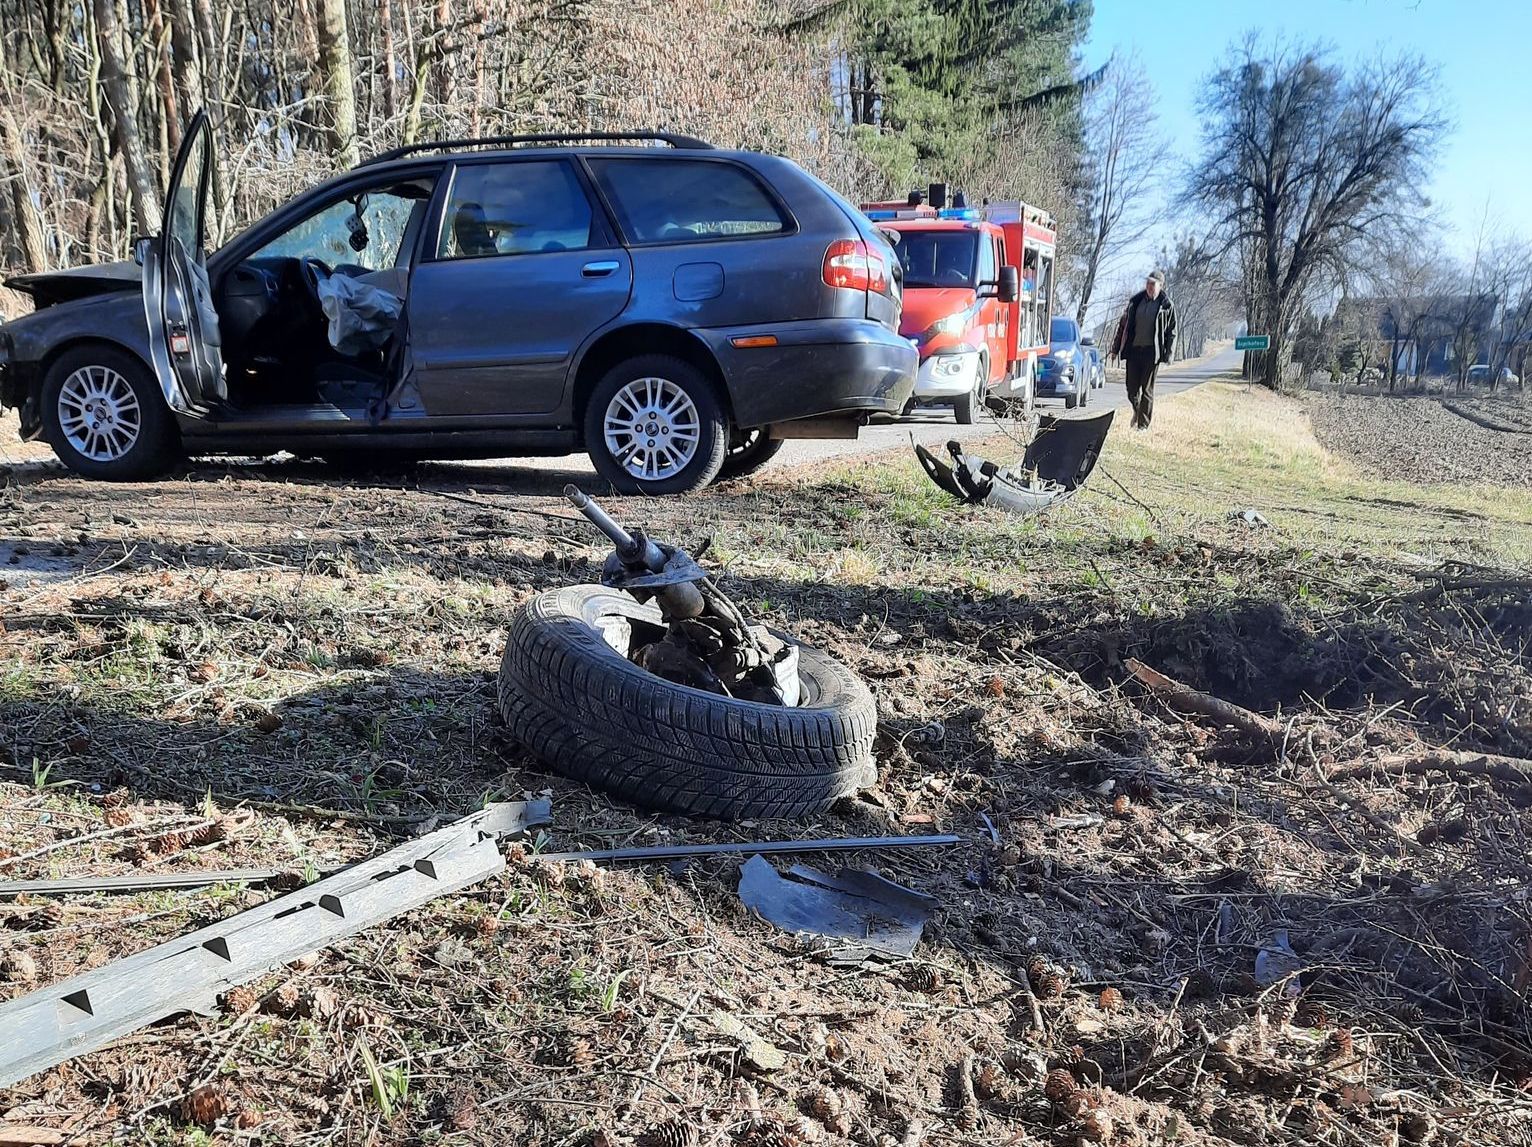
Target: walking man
[(1145, 335)]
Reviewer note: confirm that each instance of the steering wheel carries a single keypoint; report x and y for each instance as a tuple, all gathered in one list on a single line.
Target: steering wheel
[(314, 271)]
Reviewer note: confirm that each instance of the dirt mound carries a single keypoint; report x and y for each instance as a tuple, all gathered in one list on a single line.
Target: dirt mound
[(1422, 440)]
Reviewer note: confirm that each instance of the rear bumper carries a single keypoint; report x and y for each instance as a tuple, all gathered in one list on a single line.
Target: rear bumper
[(820, 368)]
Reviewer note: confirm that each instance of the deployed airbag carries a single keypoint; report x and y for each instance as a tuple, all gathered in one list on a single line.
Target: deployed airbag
[(362, 317)]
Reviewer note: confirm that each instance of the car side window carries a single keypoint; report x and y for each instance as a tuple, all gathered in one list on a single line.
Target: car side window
[(363, 230), (683, 200), (514, 208), (987, 270)]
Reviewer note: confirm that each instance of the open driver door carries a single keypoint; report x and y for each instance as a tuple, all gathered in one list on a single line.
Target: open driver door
[(184, 343)]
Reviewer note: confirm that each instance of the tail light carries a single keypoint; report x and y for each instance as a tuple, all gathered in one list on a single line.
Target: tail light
[(852, 265)]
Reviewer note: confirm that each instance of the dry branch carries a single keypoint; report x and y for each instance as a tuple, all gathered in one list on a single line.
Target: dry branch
[(1189, 700), (1515, 769)]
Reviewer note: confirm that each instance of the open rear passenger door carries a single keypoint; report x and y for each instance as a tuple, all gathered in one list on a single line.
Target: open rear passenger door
[(184, 342)]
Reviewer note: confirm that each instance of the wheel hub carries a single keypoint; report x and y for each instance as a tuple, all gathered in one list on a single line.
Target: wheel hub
[(652, 428), (99, 413)]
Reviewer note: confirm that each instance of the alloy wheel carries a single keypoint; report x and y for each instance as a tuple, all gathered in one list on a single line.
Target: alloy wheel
[(652, 428), (99, 413)]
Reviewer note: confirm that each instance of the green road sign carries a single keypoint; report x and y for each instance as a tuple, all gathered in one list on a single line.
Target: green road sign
[(1253, 342)]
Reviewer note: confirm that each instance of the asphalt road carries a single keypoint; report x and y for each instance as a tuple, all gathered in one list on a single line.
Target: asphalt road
[(934, 428)]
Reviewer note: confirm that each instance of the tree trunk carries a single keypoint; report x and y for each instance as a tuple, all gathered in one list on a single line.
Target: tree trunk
[(162, 75), (22, 210), (121, 88), (390, 63), (335, 62)]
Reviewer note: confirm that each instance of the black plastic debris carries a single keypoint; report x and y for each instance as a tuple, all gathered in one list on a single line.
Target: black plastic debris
[(1057, 461), (852, 915)]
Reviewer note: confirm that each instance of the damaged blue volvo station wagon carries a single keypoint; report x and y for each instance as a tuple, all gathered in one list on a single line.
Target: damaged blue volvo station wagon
[(673, 309)]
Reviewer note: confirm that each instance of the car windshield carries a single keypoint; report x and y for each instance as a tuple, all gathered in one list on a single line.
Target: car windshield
[(938, 258), (1062, 331)]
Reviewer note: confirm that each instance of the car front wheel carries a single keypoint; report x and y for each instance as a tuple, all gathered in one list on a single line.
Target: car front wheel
[(654, 425), (104, 416)]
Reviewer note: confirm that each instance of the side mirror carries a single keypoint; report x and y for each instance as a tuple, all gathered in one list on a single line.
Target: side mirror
[(1010, 284), (141, 250)]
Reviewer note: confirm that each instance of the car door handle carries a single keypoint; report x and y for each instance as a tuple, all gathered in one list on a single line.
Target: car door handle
[(599, 270)]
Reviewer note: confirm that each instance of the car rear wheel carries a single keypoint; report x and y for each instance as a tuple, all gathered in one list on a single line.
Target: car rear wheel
[(104, 416), (755, 448), (654, 425)]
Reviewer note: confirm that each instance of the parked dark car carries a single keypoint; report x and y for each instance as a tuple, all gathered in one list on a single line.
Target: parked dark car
[(1063, 371), (671, 308)]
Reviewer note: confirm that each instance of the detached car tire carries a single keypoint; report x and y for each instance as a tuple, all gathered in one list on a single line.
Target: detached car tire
[(105, 417), (571, 697), (654, 425)]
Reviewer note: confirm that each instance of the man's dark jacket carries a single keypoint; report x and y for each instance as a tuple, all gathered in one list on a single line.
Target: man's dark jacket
[(1164, 326)]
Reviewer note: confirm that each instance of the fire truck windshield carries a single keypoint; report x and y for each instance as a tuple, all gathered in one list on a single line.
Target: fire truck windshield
[(938, 258)]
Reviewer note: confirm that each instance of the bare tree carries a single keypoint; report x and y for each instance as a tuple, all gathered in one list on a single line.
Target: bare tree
[(120, 81), (1126, 158), (17, 201), (1302, 159), (1509, 275), (335, 61), (1205, 299)]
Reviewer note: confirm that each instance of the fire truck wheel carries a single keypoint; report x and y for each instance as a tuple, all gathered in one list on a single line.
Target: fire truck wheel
[(966, 407), (571, 697)]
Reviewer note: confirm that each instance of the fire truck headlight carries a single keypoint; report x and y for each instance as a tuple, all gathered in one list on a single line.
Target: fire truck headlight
[(953, 324), (949, 366)]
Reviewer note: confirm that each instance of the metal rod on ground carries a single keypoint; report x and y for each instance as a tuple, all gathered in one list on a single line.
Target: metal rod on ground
[(163, 880), (138, 882), (681, 851)]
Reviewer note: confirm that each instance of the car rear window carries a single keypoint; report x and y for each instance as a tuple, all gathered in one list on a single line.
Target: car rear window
[(1063, 331), (681, 200), (518, 207)]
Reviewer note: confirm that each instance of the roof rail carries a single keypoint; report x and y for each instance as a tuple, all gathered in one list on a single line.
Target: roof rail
[(685, 142)]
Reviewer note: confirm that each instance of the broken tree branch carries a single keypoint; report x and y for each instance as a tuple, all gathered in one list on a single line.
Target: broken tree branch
[(1189, 700), (1516, 769)]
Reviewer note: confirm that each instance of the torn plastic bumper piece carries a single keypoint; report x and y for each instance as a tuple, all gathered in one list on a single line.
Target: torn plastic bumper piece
[(1057, 462), (853, 915)]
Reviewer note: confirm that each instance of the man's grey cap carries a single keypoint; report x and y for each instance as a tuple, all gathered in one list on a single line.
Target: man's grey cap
[(1158, 276)]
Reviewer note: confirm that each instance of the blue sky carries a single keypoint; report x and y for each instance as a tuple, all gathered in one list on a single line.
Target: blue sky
[(1481, 47)]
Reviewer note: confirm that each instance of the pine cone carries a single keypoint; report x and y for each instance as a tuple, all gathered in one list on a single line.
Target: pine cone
[(1050, 986), (1341, 1045), (118, 817), (247, 1118), (460, 1109), (207, 1105), (1311, 1014), (776, 1132), (1121, 805), (282, 1001), (238, 1001), (1096, 1125), (826, 1105), (18, 967), (581, 1055), (1111, 1000), (319, 1003), (1037, 968), (676, 1132), (989, 1079), (923, 978), (1060, 1087), (748, 1099)]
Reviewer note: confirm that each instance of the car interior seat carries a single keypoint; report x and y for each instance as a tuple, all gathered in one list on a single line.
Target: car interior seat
[(470, 231)]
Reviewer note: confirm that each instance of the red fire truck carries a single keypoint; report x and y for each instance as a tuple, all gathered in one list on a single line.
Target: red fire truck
[(978, 296)]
